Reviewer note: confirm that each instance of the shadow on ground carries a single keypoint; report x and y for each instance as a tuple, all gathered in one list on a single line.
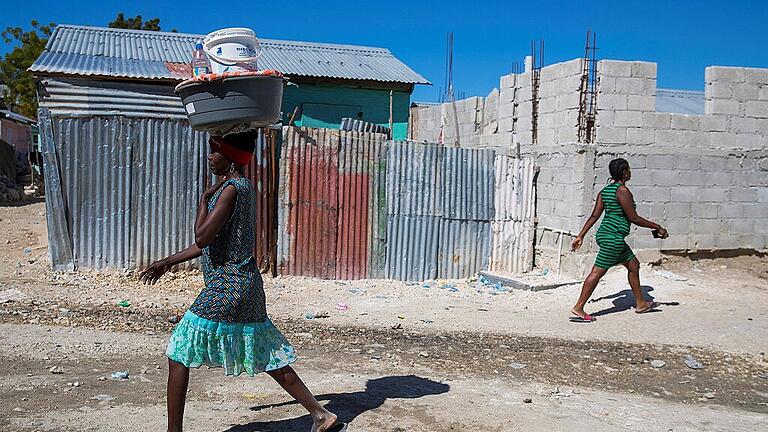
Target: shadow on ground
[(624, 301), (349, 406)]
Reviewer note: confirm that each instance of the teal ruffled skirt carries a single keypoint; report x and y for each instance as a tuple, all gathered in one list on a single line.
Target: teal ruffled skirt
[(236, 347)]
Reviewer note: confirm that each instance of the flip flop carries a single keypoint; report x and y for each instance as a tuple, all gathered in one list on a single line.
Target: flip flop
[(587, 318), (653, 307)]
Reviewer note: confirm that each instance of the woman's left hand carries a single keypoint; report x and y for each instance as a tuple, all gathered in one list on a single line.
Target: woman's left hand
[(151, 274), (211, 191)]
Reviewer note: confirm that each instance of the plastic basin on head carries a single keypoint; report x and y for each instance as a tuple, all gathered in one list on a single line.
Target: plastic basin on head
[(249, 99)]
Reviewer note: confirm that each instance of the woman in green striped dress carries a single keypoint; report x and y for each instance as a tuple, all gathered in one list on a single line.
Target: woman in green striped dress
[(619, 206)]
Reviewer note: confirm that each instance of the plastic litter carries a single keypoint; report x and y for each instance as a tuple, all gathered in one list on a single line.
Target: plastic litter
[(124, 303), (692, 362), (517, 365), (657, 364), (671, 276), (120, 375), (27, 250), (342, 306)]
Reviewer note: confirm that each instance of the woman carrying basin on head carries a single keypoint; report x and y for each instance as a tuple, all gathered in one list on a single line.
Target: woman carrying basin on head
[(227, 325)]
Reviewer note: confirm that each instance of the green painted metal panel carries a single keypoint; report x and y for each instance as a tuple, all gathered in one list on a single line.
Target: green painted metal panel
[(339, 100)]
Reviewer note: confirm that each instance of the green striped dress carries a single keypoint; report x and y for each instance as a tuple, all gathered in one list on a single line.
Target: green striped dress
[(614, 228)]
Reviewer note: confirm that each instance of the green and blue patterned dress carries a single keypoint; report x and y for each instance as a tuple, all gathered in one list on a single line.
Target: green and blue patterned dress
[(227, 325), (614, 228)]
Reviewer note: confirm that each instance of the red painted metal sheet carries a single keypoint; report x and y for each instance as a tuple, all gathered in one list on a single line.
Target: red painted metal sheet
[(311, 161)]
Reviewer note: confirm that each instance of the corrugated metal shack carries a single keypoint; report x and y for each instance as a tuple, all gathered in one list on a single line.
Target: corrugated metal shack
[(123, 168)]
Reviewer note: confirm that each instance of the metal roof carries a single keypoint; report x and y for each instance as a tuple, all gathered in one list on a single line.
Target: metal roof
[(680, 101), (18, 118), (120, 53)]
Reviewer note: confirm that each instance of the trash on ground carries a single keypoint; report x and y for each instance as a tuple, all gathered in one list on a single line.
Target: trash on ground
[(671, 276), (692, 362), (527, 400), (27, 250), (124, 303), (342, 306), (56, 370), (427, 321), (104, 397), (356, 291), (709, 395), (517, 365), (657, 364), (120, 375)]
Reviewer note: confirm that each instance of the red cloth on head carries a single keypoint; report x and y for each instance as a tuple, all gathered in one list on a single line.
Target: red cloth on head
[(234, 154)]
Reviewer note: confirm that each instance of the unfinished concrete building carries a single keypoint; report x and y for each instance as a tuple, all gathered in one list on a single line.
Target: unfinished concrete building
[(700, 172)]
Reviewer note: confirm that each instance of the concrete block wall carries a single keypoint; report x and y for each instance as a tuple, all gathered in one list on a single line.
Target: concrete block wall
[(509, 111), (708, 200)]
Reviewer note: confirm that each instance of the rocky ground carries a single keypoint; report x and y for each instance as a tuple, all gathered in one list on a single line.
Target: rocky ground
[(445, 355)]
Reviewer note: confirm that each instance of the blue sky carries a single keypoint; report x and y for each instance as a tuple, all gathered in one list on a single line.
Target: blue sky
[(682, 36)]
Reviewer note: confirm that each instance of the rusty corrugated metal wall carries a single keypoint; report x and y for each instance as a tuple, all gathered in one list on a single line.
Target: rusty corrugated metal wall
[(330, 213), (263, 173)]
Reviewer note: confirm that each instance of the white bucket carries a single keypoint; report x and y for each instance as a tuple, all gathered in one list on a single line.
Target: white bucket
[(232, 50)]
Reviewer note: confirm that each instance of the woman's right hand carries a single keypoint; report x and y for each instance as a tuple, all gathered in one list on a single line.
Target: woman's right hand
[(211, 191), (576, 243), (151, 274)]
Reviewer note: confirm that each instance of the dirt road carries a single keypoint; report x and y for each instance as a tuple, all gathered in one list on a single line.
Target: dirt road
[(402, 358)]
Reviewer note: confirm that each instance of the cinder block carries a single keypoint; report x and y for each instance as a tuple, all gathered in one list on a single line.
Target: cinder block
[(628, 119), (748, 141), (743, 195), (724, 73), (710, 123), (678, 226), (611, 135), (756, 75), (568, 101), (614, 68), (641, 103), (506, 110), (547, 105), (738, 225), (755, 210), (720, 179), (666, 178), (657, 161), (721, 106), (726, 241), (677, 209), (678, 242), (745, 92), (507, 81), (703, 242), (687, 162), (722, 139), (630, 86), (718, 90), (730, 210), (713, 163), (685, 194), (758, 109), (571, 68), (696, 178), (685, 122), (640, 136), (707, 226), (612, 102), (762, 126), (644, 69), (657, 120), (762, 195), (704, 211), (763, 93), (712, 194)]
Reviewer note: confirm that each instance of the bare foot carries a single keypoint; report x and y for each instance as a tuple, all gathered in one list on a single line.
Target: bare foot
[(578, 312), (324, 423)]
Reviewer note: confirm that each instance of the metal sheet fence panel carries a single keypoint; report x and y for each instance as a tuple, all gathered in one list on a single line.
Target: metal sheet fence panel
[(414, 179), (464, 248), (354, 200), (59, 234), (468, 175), (377, 213), (412, 247), (129, 187), (309, 202), (512, 227), (262, 171)]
